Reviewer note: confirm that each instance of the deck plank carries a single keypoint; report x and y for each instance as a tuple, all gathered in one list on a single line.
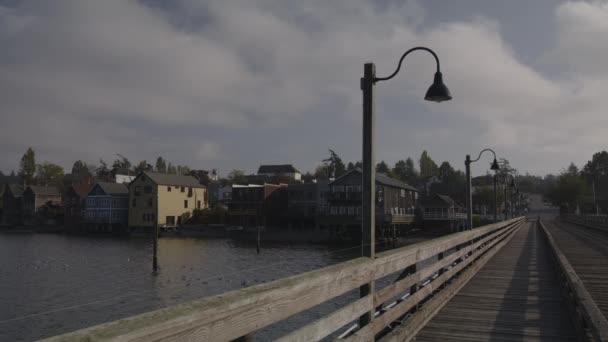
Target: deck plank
[(514, 297)]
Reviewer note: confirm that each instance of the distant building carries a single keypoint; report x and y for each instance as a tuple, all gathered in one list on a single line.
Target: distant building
[(395, 201), (74, 203), (12, 200), (280, 170), (164, 199), (107, 204), (305, 203), (35, 197), (124, 176), (442, 208), (258, 205)]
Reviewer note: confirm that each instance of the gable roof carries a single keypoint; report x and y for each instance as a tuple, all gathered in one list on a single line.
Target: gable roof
[(16, 189), (283, 168), (440, 200), (44, 190), (383, 179), (170, 179), (112, 188)]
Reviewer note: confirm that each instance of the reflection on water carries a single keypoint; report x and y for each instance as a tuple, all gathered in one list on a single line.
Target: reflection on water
[(81, 281)]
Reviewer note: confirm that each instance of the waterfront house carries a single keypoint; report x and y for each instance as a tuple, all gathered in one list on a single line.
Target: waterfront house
[(164, 199), (107, 205), (305, 202), (284, 170), (442, 212), (395, 202), (258, 205), (74, 200), (12, 200), (36, 197)]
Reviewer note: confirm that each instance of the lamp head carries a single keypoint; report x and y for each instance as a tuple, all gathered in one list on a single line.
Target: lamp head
[(438, 92), (495, 166)]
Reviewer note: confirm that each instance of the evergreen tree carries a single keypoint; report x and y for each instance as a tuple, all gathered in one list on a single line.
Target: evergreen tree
[(428, 168), (161, 165), (411, 174), (237, 177), (80, 171), (27, 166), (382, 167)]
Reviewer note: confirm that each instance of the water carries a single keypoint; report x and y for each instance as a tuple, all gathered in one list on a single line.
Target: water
[(52, 284)]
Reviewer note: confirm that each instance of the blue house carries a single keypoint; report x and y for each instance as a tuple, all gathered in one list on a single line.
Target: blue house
[(107, 205)]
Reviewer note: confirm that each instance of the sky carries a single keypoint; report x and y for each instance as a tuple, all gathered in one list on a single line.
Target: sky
[(235, 84)]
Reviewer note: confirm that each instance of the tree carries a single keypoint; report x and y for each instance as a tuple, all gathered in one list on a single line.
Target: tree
[(350, 166), (322, 172), (121, 163), (307, 177), (102, 172), (446, 171), (382, 167), (80, 171), (171, 169), (335, 165), (161, 165), (49, 174), (237, 177), (143, 166), (428, 168), (27, 166)]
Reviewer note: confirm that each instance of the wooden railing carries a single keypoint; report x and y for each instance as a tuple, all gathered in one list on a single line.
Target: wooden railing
[(430, 272), (599, 222), (585, 313)]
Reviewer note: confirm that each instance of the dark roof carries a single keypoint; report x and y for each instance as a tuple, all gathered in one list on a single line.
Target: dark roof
[(384, 179), (45, 190), (285, 168), (170, 179), (440, 200), (16, 189), (113, 188)]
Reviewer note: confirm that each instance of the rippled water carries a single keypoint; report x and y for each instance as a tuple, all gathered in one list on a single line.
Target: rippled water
[(52, 284)]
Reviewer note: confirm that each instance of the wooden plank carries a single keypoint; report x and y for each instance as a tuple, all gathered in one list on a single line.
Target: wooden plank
[(394, 289), (594, 318), (325, 326), (233, 314), (408, 330)]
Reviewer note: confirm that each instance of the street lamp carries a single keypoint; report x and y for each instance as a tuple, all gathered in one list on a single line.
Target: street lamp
[(437, 92), (467, 164)]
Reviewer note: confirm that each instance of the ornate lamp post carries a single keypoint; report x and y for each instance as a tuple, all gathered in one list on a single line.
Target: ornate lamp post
[(437, 92), (467, 164)]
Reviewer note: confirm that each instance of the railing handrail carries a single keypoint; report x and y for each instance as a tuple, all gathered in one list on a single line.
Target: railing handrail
[(241, 312), (584, 306)]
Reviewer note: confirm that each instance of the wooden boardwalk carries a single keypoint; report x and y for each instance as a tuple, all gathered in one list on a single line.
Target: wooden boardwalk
[(514, 297), (587, 252)]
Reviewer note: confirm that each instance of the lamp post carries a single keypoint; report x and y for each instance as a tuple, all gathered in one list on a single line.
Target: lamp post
[(437, 92), (467, 164)]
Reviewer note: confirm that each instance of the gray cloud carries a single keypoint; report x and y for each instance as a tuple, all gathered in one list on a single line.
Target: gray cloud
[(231, 84)]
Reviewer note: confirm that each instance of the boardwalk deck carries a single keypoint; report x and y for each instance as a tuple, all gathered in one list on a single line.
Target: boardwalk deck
[(514, 297), (587, 252)]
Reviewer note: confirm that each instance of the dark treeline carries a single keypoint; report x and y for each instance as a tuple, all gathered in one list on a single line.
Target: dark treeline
[(50, 174)]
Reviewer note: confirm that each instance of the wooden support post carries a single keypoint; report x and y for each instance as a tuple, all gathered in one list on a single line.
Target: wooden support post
[(414, 288), (155, 256)]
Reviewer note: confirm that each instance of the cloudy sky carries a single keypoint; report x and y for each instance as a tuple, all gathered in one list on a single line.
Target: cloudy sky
[(233, 84)]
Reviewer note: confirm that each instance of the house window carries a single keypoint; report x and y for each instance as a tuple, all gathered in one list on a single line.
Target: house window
[(170, 220), (185, 203), (143, 217), (403, 193), (198, 204), (182, 189), (358, 210), (168, 189), (334, 210), (189, 192), (113, 202), (147, 189), (150, 202), (342, 210), (134, 202), (338, 188), (136, 191), (351, 210)]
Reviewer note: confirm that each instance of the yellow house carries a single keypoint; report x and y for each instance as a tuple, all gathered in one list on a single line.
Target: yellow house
[(164, 199)]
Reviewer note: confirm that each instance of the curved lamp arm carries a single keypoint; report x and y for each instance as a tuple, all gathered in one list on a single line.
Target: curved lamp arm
[(377, 79), (482, 151)]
